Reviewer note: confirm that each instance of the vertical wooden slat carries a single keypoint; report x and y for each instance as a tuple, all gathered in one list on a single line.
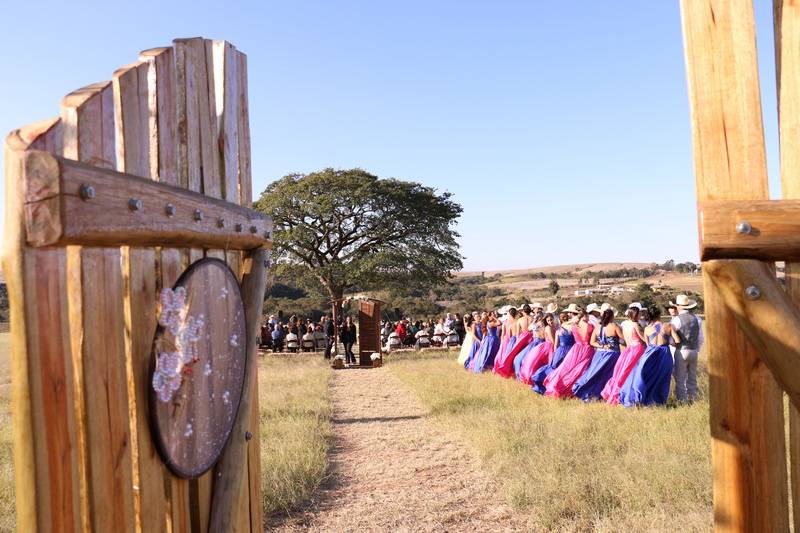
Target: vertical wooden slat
[(246, 198), (88, 117), (746, 404), (133, 136), (45, 450), (787, 70)]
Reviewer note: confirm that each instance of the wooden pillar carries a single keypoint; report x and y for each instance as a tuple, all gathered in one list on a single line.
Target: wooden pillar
[(748, 451)]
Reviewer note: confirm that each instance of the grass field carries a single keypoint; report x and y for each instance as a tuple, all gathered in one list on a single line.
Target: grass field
[(295, 427), (575, 466)]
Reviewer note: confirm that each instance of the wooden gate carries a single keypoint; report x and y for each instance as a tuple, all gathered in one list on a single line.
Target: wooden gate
[(753, 324), (138, 177)]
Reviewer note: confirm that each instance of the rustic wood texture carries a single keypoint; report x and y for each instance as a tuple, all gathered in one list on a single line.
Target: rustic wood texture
[(192, 428), (88, 116), (773, 236), (750, 489), (229, 476), (134, 143), (771, 321), (57, 215), (787, 70), (83, 318)]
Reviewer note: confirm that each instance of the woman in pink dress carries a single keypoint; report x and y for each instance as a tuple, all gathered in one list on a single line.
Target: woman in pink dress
[(507, 340), (524, 337), (559, 383), (539, 356), (635, 344)]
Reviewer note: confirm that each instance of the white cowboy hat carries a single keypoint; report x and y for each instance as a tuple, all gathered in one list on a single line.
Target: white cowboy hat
[(683, 302), (635, 305), (592, 307), (606, 306), (537, 305), (572, 308), (551, 307)]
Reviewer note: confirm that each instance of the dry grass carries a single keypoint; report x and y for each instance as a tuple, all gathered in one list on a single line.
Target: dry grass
[(574, 466), (295, 429)]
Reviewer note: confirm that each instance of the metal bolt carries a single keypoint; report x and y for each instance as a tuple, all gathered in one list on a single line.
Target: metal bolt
[(744, 228), (220, 222), (238, 227), (248, 435), (87, 192), (134, 204), (170, 210), (753, 292), (198, 215), (266, 263), (266, 234), (253, 229)]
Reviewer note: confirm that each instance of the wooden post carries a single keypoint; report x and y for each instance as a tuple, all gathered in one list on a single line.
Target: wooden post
[(750, 488), (787, 70)]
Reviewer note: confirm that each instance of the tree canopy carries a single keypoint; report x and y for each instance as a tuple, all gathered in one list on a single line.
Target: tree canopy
[(351, 229)]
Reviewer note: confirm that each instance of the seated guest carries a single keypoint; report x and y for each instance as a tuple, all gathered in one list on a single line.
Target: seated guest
[(278, 334), (292, 342), (423, 340), (320, 340), (309, 343)]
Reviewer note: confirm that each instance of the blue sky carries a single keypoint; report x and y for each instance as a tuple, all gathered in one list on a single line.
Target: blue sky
[(561, 127)]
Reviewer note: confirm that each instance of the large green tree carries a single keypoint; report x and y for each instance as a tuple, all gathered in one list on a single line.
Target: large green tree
[(349, 228)]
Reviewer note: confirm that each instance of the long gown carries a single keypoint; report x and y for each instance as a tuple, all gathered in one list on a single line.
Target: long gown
[(625, 364), (565, 342), (536, 341), (649, 382), (591, 383), (484, 358), (559, 383), (502, 366), (536, 359), (466, 348), (506, 369), (476, 344)]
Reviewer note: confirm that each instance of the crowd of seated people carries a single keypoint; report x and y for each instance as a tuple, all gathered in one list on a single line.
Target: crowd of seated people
[(294, 334), (407, 333)]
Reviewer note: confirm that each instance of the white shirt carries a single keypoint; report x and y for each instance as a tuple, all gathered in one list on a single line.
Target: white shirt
[(438, 329)]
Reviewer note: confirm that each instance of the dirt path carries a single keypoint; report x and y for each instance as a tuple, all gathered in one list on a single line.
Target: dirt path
[(392, 469)]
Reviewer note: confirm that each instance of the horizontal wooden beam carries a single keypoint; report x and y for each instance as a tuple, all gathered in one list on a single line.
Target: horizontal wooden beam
[(745, 229), (766, 314), (67, 202)]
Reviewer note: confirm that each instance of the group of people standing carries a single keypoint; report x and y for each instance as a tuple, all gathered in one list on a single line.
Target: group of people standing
[(587, 354)]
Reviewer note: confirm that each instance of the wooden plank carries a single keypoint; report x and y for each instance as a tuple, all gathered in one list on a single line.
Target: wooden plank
[(770, 233), (46, 470), (230, 472), (88, 117), (761, 314), (730, 164), (56, 214), (787, 67), (133, 136)]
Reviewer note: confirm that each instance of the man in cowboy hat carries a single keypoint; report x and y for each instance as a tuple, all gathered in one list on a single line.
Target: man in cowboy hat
[(687, 332)]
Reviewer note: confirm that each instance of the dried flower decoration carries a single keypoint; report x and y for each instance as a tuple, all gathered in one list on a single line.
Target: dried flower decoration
[(186, 331)]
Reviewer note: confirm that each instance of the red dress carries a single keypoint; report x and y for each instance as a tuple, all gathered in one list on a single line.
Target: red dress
[(559, 383)]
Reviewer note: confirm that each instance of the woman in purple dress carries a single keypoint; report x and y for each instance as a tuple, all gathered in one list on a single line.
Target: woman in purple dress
[(649, 382), (484, 358)]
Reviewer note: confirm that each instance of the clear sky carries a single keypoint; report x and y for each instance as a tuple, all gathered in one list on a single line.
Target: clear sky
[(561, 127)]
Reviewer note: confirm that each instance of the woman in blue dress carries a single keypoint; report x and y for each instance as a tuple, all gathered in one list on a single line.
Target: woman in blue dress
[(538, 338), (564, 341), (484, 358), (649, 382), (606, 339)]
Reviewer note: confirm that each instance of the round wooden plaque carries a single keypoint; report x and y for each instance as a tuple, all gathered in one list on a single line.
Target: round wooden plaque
[(198, 367)]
